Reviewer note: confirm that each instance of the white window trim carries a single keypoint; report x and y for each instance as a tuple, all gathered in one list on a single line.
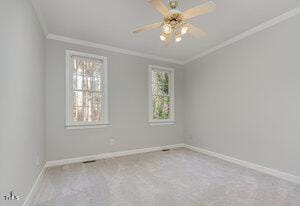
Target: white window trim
[(171, 120), (69, 94)]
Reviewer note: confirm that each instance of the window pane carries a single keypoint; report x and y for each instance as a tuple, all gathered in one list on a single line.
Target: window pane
[(74, 66), (79, 82), (77, 98), (87, 114), (161, 107), (88, 68), (97, 69), (88, 99), (160, 82), (97, 99), (87, 83), (79, 69), (96, 113), (74, 81), (77, 114), (96, 84), (154, 83)]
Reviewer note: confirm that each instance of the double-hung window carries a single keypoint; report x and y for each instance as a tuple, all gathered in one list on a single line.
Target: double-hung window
[(86, 89), (161, 95)]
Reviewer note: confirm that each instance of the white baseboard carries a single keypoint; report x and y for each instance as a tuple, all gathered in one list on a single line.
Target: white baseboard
[(28, 199), (109, 155), (276, 173), (266, 170)]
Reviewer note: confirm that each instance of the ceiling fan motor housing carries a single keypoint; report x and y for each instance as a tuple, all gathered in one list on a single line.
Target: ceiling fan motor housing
[(174, 19)]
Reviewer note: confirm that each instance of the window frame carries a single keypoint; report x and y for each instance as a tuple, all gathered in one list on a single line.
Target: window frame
[(69, 93), (151, 120)]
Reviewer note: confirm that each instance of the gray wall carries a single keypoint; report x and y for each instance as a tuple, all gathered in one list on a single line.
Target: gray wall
[(22, 105), (244, 100), (127, 101)]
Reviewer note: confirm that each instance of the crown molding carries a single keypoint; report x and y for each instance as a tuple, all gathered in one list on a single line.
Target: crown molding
[(250, 32), (110, 48), (80, 42), (41, 18)]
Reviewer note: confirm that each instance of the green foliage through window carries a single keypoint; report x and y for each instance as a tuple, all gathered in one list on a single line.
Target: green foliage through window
[(161, 94)]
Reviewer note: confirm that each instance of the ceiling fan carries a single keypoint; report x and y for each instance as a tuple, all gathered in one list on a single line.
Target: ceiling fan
[(174, 23)]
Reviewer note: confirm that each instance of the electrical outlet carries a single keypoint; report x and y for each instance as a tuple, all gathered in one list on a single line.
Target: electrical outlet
[(112, 141), (37, 161)]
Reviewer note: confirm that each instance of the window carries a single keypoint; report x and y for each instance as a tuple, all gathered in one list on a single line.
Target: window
[(161, 95), (86, 89)]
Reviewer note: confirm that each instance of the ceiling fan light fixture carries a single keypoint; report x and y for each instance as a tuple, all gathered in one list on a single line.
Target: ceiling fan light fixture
[(163, 37), (174, 24), (178, 38), (167, 28), (184, 29)]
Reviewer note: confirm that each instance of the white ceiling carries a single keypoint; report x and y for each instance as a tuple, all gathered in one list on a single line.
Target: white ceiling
[(110, 22)]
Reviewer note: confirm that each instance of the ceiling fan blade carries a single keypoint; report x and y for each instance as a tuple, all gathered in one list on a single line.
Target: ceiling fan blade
[(147, 28), (159, 6), (199, 10), (194, 31)]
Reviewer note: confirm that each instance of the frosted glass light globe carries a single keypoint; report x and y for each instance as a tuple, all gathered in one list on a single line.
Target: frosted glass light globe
[(163, 37), (184, 30), (178, 38), (167, 29)]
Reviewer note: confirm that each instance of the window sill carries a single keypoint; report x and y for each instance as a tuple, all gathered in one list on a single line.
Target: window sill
[(87, 126), (155, 123)]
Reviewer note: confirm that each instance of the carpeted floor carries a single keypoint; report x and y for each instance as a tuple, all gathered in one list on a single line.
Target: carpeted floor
[(179, 177)]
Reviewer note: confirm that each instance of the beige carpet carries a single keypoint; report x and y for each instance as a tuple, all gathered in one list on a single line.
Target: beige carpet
[(179, 177)]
